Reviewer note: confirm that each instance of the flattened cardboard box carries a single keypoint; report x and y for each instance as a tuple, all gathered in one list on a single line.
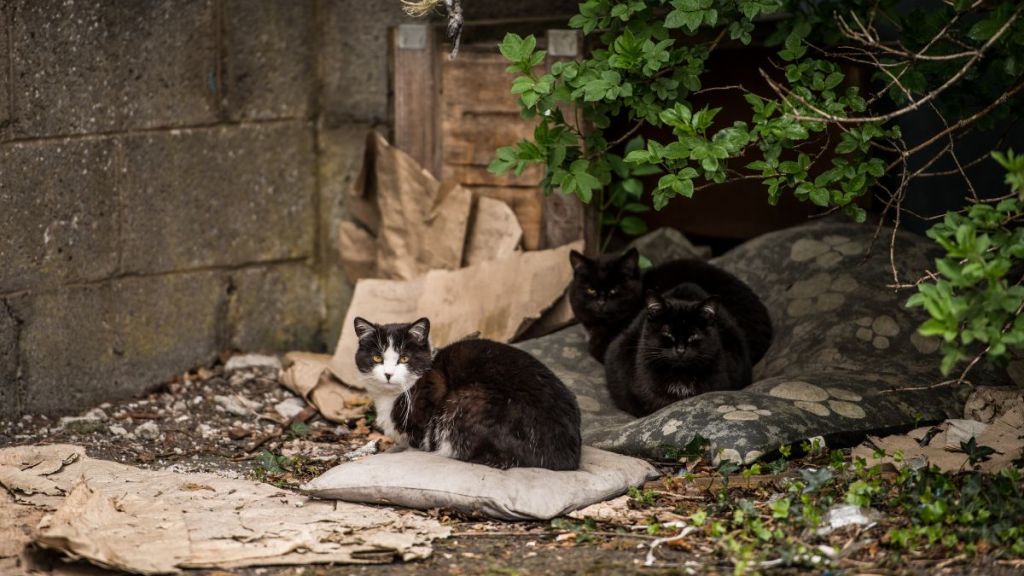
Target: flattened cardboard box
[(501, 299)]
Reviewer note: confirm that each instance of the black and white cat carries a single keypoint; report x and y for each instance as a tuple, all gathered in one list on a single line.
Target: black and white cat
[(474, 400), (607, 293), (683, 344)]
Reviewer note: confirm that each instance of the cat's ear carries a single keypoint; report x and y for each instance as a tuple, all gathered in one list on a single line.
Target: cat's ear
[(655, 305), (420, 330), (579, 261), (629, 262), (709, 308), (364, 328)]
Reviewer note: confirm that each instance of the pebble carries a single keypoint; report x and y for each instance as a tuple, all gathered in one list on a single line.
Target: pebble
[(148, 431), (96, 414), (81, 424), (250, 361), (290, 407), (232, 405), (118, 430)]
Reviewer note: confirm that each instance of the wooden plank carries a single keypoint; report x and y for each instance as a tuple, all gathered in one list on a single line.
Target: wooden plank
[(478, 81), (416, 86), (470, 175), (565, 218), (472, 138)]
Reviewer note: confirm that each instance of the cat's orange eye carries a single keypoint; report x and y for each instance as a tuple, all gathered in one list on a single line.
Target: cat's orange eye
[(403, 359), (591, 292), (377, 358)]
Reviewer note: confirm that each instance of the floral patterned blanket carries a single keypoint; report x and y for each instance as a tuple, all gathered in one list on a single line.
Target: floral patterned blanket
[(846, 360)]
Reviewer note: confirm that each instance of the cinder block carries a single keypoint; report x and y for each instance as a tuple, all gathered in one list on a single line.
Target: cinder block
[(85, 345), (10, 384), (58, 213), (270, 59), (339, 161), (5, 69), (354, 59), (276, 308), (87, 67), (219, 197)]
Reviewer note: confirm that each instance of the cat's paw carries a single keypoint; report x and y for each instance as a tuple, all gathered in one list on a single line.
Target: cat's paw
[(397, 448)]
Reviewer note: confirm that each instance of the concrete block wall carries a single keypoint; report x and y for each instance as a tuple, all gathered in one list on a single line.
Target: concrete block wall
[(171, 176)]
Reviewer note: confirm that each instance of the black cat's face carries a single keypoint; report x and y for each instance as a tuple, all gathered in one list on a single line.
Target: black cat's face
[(678, 332), (607, 288), (392, 357)]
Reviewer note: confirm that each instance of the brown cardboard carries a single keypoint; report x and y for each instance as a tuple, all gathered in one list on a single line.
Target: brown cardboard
[(307, 375), (422, 224), (1004, 435), (358, 250), (161, 522), (494, 232), (406, 223), (500, 298)]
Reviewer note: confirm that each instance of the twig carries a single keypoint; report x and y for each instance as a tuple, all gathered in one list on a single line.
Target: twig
[(825, 116), (962, 122), (618, 140), (650, 560)]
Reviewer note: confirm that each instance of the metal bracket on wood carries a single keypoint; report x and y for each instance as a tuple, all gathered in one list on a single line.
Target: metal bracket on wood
[(412, 36)]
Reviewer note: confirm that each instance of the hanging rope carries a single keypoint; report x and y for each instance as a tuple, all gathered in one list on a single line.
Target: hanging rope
[(421, 8)]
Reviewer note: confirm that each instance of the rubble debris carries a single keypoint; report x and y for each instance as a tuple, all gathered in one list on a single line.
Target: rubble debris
[(367, 449), (148, 431), (236, 405), (240, 362), (290, 407)]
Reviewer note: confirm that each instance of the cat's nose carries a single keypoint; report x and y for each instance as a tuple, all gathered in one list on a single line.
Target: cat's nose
[(681, 349), (388, 375)]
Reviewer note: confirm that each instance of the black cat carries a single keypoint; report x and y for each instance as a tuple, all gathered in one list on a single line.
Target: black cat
[(683, 344), (607, 293), (474, 400)]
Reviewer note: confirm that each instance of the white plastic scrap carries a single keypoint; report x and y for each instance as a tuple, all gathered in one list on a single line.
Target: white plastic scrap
[(843, 515)]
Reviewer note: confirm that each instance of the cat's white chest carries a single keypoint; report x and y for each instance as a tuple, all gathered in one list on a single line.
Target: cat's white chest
[(385, 422)]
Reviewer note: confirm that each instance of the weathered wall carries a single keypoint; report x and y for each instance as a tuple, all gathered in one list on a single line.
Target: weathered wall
[(170, 180)]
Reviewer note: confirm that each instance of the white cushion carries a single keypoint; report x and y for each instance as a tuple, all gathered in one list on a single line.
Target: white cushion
[(425, 480)]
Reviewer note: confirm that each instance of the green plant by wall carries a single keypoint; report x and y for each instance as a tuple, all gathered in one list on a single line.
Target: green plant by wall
[(960, 60)]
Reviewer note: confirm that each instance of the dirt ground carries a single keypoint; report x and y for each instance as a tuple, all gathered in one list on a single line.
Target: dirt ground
[(244, 424)]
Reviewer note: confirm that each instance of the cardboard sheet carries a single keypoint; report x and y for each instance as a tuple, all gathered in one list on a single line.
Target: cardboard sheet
[(419, 223), (405, 223), (358, 249), (493, 233), (1005, 435), (307, 375), (501, 299), (161, 522)]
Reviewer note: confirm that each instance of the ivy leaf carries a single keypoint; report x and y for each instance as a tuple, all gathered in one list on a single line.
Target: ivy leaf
[(633, 225)]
